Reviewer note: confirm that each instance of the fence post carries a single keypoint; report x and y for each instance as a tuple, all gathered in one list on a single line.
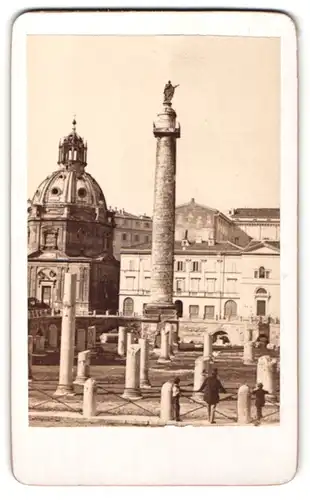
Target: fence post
[(89, 398), (244, 405), (166, 408)]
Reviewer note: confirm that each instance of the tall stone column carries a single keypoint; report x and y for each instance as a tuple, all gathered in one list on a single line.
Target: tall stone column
[(166, 130), (65, 384), (266, 375)]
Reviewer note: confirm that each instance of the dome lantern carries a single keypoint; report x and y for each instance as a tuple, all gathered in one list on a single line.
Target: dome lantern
[(72, 151)]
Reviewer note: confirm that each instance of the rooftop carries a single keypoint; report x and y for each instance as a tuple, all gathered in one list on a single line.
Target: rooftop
[(255, 213)]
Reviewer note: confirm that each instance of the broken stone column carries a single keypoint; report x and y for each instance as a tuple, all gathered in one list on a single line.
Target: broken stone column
[(41, 344), (248, 353), (122, 341), (164, 347), (129, 339), (201, 365), (91, 337), (266, 375), (132, 378), (144, 363), (244, 405), (166, 406), (30, 351), (83, 363), (53, 337), (65, 384), (89, 398), (81, 339), (207, 346)]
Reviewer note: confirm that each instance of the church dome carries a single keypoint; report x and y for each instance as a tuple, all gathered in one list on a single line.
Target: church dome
[(66, 186), (70, 184)]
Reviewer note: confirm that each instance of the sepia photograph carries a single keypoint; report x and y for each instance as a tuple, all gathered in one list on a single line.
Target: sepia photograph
[(154, 230)]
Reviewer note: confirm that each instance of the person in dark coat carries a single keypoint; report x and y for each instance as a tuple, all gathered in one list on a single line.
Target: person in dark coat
[(259, 393), (176, 393), (211, 387)]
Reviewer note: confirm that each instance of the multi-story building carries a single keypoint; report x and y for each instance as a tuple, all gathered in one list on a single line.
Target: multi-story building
[(205, 224), (220, 281), (71, 229), (259, 223), (130, 230)]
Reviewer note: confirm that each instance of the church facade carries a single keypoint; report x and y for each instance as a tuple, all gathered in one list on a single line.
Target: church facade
[(70, 229)]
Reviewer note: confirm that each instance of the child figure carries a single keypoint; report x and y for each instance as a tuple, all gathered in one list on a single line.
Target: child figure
[(259, 393), (176, 391)]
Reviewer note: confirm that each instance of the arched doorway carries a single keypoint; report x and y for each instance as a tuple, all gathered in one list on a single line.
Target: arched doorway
[(179, 308), (128, 306), (220, 338), (230, 309)]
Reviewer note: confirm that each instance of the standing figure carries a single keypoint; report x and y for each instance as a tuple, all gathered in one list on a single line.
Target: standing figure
[(259, 393), (169, 92), (176, 392), (211, 388)]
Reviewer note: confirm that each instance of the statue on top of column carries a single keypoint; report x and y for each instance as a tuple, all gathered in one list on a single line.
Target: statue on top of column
[(169, 92)]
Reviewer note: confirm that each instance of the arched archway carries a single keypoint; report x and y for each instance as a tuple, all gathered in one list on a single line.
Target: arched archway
[(179, 308), (220, 337), (230, 309), (128, 306)]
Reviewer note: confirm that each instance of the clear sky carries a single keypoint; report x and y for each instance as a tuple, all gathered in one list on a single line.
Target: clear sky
[(228, 104)]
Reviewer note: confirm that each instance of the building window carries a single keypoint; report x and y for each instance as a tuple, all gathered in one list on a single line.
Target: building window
[(124, 236), (210, 285), (195, 285), (146, 238), (261, 308), (147, 284), (137, 224), (261, 291), (261, 272), (46, 295), (180, 285), (128, 307), (255, 274), (147, 224), (180, 265), (193, 311), (209, 312), (230, 309), (136, 237), (267, 274), (236, 241), (124, 222), (195, 266), (231, 285), (130, 282), (131, 265)]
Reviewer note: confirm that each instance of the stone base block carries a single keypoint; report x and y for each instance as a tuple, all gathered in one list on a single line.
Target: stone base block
[(145, 384), (64, 390), (132, 394), (163, 360), (78, 387)]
